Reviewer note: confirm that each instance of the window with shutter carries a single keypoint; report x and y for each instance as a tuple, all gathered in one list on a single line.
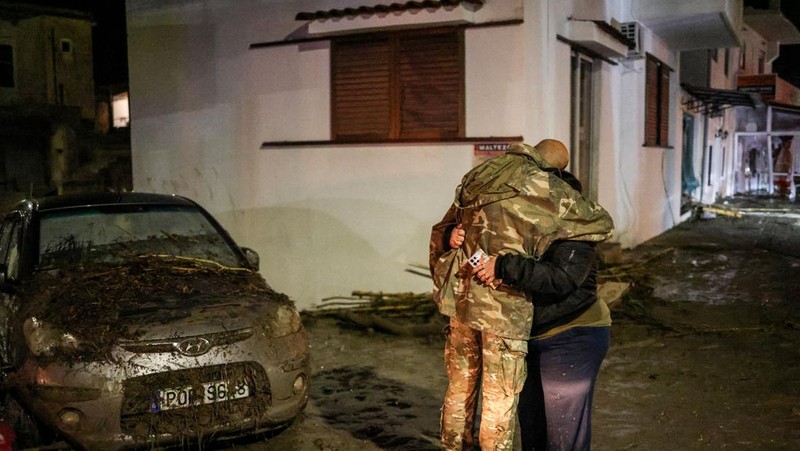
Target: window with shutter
[(656, 132), (361, 89), (663, 105), (401, 85)]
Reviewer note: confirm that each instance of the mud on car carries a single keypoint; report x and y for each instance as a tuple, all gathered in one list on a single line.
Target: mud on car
[(130, 320)]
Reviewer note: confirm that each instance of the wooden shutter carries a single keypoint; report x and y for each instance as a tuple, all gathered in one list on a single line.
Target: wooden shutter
[(651, 102), (361, 89), (401, 85), (656, 122), (663, 105), (430, 77)]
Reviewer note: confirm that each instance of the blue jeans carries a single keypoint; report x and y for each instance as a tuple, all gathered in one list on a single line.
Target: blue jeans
[(555, 406)]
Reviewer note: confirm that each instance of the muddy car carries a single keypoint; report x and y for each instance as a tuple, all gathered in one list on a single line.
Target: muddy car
[(132, 320)]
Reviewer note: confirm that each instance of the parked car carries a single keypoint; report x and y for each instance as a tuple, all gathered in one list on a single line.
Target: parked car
[(134, 319)]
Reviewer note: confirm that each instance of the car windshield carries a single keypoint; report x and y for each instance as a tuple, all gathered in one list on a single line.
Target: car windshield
[(113, 234)]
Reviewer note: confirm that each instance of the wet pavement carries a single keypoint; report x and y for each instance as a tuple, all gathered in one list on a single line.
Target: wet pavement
[(705, 351)]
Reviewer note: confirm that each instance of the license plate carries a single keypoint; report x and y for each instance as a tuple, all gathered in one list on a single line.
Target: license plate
[(175, 398)]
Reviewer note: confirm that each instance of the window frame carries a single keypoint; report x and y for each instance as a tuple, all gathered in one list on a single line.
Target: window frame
[(408, 117), (727, 62), (743, 56), (66, 46), (583, 104)]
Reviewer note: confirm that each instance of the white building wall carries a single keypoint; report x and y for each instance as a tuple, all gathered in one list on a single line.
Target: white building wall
[(613, 119), (326, 220), (721, 156), (499, 108), (640, 186), (331, 219), (645, 196), (756, 47)]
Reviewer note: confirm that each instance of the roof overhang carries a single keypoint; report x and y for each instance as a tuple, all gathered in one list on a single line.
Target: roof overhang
[(691, 25), (597, 36), (701, 31), (338, 13), (362, 18), (772, 25), (713, 102), (19, 11)]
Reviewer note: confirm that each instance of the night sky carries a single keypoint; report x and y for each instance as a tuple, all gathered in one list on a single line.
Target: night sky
[(787, 66), (110, 41)]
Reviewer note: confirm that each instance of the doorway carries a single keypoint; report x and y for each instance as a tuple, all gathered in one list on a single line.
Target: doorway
[(583, 163), (689, 181)]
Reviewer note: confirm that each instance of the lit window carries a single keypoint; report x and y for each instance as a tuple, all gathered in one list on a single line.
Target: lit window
[(120, 110)]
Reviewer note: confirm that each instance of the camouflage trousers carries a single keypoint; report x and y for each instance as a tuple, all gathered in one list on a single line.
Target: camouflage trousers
[(481, 362)]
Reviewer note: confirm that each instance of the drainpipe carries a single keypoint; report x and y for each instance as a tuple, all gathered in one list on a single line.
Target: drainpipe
[(703, 163), (55, 70)]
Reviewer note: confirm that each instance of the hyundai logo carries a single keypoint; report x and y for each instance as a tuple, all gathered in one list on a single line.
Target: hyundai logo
[(194, 346)]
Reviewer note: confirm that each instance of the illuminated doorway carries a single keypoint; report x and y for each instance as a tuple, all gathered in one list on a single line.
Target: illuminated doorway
[(767, 148)]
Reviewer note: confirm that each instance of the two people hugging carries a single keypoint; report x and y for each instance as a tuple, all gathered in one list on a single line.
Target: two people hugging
[(526, 333)]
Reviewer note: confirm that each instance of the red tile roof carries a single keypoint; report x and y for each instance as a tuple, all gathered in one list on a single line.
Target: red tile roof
[(382, 9)]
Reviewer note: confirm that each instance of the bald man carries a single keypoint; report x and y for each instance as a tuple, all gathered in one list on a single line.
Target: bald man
[(513, 203)]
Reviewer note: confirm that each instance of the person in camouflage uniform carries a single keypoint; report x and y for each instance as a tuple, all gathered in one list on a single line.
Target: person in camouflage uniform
[(513, 203)]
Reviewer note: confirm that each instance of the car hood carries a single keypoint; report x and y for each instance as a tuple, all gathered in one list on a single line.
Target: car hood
[(169, 316), (146, 299)]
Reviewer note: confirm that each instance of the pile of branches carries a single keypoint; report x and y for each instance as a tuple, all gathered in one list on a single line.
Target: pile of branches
[(416, 313), (396, 313), (385, 304)]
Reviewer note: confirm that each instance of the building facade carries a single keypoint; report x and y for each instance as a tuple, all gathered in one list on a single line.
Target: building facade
[(46, 93), (739, 117), (330, 135), (46, 58)]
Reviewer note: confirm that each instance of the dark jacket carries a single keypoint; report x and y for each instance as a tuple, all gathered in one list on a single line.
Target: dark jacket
[(562, 285)]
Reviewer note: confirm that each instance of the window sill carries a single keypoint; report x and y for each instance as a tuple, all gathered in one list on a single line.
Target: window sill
[(358, 142), (658, 146)]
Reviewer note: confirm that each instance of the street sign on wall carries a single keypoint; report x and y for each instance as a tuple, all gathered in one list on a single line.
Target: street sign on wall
[(484, 151)]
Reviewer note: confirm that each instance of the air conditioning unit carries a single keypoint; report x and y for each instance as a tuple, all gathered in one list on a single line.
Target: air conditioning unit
[(633, 33)]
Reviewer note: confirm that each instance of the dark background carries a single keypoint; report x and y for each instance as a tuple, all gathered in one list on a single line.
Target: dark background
[(110, 39), (109, 36), (787, 66)]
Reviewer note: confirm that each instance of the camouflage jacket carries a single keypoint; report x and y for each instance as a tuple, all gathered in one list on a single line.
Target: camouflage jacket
[(507, 204)]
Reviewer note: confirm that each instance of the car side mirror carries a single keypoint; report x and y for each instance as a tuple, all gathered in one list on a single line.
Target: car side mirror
[(252, 258)]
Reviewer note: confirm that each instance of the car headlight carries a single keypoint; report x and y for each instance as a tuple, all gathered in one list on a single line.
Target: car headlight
[(285, 322), (43, 339)]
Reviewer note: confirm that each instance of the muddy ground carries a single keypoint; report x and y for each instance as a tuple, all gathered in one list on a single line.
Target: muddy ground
[(705, 355)]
